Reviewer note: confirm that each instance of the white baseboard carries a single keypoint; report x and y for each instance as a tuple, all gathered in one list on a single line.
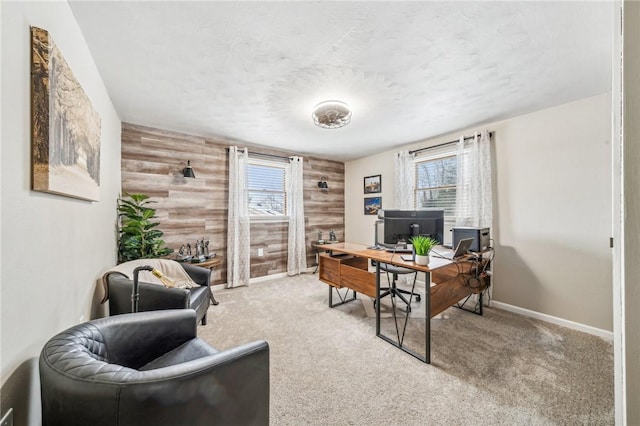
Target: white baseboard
[(607, 335), (267, 278), (260, 279)]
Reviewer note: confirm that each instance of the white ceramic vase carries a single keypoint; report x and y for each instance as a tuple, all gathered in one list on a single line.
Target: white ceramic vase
[(422, 260)]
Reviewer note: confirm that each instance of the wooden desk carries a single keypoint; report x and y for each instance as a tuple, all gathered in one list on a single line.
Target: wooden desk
[(318, 247), (211, 263), (350, 270)]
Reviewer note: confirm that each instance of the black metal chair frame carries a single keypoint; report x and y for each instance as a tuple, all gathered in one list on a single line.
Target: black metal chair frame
[(393, 290)]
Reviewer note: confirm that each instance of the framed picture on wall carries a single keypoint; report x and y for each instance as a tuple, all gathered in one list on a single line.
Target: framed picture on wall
[(373, 184), (372, 205), (65, 134)]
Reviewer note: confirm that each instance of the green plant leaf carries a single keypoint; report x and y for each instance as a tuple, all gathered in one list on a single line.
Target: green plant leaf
[(422, 244), (148, 213), (138, 198), (138, 237)]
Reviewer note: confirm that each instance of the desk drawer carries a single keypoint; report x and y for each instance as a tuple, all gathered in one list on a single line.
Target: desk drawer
[(347, 271), (329, 269), (356, 262), (358, 279)]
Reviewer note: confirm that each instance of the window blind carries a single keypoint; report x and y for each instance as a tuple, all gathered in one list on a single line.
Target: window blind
[(435, 177), (267, 188)]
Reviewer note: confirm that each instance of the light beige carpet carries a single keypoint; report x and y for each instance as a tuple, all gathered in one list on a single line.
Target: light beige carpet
[(329, 368)]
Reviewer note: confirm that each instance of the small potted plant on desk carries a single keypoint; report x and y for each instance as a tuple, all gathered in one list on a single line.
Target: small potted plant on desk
[(422, 245)]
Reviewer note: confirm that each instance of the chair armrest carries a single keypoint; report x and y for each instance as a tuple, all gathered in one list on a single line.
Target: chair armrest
[(198, 274), (230, 387), (152, 296)]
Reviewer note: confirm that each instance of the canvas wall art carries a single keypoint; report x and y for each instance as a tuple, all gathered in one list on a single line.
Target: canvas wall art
[(65, 134)]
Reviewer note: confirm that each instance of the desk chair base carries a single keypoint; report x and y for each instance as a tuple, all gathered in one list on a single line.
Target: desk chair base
[(394, 291)]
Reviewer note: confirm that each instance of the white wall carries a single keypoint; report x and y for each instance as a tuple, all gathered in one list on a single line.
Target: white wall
[(53, 248), (358, 227), (552, 209)]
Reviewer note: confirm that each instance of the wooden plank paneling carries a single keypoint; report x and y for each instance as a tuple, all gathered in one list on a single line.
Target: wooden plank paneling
[(190, 209)]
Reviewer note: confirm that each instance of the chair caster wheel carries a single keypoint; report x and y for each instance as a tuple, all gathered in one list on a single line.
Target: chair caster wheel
[(418, 298)]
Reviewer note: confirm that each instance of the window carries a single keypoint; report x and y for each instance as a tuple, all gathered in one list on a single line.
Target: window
[(435, 184), (267, 183)]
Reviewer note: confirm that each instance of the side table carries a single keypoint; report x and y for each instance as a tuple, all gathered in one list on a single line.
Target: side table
[(211, 264)]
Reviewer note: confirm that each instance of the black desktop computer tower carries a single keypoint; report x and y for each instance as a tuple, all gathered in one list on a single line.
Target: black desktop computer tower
[(480, 237)]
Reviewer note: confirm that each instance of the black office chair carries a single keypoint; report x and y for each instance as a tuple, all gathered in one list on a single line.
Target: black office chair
[(393, 290)]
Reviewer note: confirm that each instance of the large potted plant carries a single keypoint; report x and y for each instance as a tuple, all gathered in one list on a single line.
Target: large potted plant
[(422, 245), (138, 236)]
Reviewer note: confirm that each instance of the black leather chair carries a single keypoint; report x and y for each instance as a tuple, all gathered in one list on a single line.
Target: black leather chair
[(154, 296), (149, 368)]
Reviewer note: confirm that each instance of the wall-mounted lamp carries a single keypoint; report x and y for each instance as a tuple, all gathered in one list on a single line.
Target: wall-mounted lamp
[(323, 184), (188, 171)]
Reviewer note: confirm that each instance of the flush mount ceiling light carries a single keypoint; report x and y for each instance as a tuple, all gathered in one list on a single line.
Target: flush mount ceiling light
[(331, 114)]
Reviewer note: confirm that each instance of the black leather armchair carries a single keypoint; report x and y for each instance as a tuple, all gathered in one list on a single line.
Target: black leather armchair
[(154, 296), (149, 368)]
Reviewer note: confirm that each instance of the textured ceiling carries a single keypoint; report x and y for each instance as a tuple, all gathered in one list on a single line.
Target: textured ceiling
[(252, 71)]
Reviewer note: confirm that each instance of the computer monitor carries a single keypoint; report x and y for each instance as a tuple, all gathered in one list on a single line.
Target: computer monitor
[(401, 225)]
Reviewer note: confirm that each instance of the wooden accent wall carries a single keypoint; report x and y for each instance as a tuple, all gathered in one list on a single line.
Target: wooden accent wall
[(189, 209)]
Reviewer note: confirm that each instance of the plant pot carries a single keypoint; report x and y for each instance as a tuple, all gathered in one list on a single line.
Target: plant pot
[(422, 260)]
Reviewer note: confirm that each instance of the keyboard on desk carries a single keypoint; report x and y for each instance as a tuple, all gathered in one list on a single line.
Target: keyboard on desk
[(399, 250)]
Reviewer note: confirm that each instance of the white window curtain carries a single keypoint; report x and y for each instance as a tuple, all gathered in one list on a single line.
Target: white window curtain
[(473, 193), (297, 253), (405, 181), (238, 237)]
